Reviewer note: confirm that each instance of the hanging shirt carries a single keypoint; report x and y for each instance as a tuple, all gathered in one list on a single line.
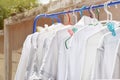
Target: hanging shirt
[(90, 54), (63, 57), (31, 68), (50, 60), (106, 56), (76, 51), (80, 25), (43, 42), (116, 73), (61, 67)]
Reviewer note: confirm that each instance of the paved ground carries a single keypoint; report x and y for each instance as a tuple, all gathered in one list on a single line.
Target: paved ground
[(15, 60), (2, 67)]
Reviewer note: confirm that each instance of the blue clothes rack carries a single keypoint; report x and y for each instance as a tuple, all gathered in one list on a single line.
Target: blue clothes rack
[(66, 12)]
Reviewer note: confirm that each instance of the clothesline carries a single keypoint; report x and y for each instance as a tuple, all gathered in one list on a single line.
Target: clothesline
[(71, 11)]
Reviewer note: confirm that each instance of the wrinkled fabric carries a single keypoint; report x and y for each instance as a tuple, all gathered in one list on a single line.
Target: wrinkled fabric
[(116, 73), (106, 56)]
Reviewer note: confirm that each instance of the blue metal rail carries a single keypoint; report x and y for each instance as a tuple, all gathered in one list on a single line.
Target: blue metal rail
[(66, 12)]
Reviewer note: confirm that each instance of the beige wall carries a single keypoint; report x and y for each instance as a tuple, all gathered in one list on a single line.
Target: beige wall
[(1, 43), (19, 31)]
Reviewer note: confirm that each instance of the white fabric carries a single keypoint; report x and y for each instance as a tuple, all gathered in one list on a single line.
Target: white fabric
[(90, 53), (63, 57), (106, 56), (45, 56), (49, 64), (80, 25), (21, 70), (61, 70), (32, 67), (76, 52), (43, 43), (116, 74), (85, 20)]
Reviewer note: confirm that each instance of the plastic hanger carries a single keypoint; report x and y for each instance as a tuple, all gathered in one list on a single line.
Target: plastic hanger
[(81, 10), (109, 23), (69, 20), (73, 30), (94, 22), (85, 20), (97, 13), (69, 31), (75, 16), (90, 13), (109, 14), (91, 10)]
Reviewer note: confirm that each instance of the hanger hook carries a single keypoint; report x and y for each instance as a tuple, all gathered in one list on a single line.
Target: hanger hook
[(91, 7), (75, 16), (69, 20), (81, 10), (109, 14)]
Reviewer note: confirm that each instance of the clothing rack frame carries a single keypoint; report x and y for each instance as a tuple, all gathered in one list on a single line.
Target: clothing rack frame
[(113, 3)]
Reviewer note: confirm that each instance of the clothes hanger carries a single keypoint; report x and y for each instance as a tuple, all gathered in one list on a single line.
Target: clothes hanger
[(97, 13), (81, 11), (84, 20), (109, 22), (90, 14), (91, 11), (69, 20), (94, 21), (75, 17), (109, 14), (73, 30)]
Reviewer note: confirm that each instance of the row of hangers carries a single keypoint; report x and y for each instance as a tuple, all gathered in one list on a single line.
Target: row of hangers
[(92, 15), (80, 10), (91, 12), (109, 22)]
